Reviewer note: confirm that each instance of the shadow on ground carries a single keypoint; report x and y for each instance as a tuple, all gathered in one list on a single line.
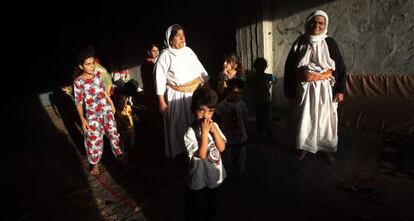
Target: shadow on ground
[(48, 176)]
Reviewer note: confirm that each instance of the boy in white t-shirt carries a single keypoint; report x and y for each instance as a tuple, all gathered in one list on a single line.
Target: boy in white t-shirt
[(204, 142)]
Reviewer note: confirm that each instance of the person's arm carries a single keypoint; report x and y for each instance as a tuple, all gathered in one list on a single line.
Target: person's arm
[(340, 70), (161, 69), (339, 97), (274, 79), (291, 72), (221, 84), (245, 112), (133, 113), (218, 139), (206, 83), (107, 81), (108, 98), (203, 148), (191, 142), (78, 94), (218, 113), (84, 122), (163, 107), (313, 76)]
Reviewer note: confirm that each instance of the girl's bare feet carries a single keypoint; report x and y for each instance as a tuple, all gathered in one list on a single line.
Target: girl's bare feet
[(301, 154), (95, 169)]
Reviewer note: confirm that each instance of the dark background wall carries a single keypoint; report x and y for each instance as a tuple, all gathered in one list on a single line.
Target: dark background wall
[(50, 35)]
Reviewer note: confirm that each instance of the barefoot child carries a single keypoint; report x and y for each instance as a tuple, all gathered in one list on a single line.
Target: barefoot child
[(98, 117)]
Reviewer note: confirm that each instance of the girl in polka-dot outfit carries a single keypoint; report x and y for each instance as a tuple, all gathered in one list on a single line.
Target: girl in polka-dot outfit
[(96, 110)]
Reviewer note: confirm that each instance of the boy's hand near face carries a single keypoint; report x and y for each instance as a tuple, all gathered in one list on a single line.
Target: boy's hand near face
[(206, 125)]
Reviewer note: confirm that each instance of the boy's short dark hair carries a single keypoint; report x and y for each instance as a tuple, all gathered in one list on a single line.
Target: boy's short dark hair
[(130, 87), (260, 63), (203, 96), (119, 101), (235, 83)]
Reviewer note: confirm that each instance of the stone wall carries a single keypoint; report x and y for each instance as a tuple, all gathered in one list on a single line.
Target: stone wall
[(374, 36)]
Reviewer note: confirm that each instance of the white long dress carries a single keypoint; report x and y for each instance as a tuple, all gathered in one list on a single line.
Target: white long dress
[(317, 113), (318, 117), (177, 67)]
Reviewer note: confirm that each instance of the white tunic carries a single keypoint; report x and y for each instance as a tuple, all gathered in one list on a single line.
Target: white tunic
[(177, 67)]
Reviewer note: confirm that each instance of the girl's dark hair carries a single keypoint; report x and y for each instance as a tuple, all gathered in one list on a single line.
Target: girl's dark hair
[(203, 96), (174, 31), (152, 45), (235, 83), (232, 57), (86, 53)]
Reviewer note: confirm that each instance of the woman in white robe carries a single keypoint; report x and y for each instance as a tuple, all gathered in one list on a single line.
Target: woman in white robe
[(315, 77), (178, 72)]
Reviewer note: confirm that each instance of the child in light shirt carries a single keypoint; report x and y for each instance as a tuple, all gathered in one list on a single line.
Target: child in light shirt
[(204, 143)]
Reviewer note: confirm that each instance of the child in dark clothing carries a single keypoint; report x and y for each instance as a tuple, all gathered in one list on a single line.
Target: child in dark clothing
[(124, 118), (262, 84), (232, 112)]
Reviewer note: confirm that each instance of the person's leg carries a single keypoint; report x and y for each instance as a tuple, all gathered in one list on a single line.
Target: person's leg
[(301, 154), (240, 159), (268, 120), (189, 204), (292, 129), (94, 145), (259, 118), (115, 140), (211, 203), (227, 158), (124, 137), (94, 169), (330, 158), (132, 137), (112, 134), (196, 204)]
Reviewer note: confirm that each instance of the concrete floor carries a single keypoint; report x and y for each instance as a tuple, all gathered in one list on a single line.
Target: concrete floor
[(47, 178), (276, 186)]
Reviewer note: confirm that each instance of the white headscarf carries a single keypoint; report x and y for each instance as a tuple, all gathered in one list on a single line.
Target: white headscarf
[(322, 36), (317, 57), (174, 51)]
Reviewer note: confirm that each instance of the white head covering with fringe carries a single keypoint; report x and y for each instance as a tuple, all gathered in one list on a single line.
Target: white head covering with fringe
[(175, 51), (317, 57)]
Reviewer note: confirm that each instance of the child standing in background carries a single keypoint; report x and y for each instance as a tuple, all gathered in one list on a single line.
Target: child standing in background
[(262, 84), (232, 69), (125, 118), (232, 113)]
